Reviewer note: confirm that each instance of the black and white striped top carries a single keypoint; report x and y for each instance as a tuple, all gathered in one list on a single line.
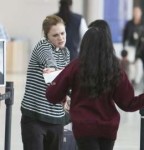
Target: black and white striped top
[(34, 103)]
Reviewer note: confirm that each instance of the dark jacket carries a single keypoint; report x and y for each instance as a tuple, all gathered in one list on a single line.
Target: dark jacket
[(94, 117), (132, 32), (73, 34)]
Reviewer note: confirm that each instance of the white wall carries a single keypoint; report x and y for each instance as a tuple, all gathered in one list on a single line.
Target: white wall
[(94, 10), (23, 18)]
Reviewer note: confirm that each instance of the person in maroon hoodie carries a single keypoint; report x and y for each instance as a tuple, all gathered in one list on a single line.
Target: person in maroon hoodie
[(97, 84)]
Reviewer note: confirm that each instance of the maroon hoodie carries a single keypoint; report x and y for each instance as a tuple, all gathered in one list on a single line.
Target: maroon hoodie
[(94, 117)]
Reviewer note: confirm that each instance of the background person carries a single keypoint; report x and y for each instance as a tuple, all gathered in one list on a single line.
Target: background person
[(133, 28), (131, 33), (76, 26), (42, 122), (134, 70), (98, 83)]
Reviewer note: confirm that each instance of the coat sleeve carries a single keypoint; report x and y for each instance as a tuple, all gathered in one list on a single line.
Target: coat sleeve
[(125, 33), (58, 89), (124, 96)]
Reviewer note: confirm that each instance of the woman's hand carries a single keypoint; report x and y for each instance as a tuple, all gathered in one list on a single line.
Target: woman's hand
[(66, 104), (49, 70)]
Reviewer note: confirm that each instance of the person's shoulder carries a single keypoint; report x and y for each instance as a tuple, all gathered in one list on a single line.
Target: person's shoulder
[(76, 15), (42, 45), (74, 64), (129, 22), (43, 42), (79, 15)]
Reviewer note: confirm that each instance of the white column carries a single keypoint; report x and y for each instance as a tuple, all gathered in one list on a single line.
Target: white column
[(93, 9)]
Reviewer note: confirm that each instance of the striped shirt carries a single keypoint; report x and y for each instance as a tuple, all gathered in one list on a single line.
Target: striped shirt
[(34, 103)]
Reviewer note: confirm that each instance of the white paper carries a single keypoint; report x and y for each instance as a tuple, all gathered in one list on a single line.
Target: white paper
[(49, 77)]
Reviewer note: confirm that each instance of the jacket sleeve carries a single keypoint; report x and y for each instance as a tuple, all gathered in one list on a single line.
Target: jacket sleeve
[(124, 96), (125, 33), (58, 89), (45, 56)]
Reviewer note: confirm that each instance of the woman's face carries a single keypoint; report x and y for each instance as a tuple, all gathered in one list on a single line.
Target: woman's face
[(137, 14), (57, 35)]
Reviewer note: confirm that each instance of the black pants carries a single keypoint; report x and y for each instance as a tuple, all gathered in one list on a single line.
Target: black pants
[(95, 144), (37, 135)]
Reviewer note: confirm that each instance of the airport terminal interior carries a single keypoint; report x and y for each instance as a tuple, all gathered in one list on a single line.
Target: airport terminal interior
[(23, 25)]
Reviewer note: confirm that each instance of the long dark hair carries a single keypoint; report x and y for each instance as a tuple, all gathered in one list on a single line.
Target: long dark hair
[(99, 67), (64, 10)]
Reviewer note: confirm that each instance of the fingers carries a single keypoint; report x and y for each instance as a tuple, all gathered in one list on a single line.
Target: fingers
[(48, 70)]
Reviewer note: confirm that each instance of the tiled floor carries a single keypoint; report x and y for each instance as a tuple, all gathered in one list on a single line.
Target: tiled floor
[(128, 135)]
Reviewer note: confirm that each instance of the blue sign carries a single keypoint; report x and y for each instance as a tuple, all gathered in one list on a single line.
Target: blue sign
[(115, 13)]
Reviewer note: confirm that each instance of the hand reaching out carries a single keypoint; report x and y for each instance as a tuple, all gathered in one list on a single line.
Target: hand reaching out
[(66, 105), (48, 70)]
